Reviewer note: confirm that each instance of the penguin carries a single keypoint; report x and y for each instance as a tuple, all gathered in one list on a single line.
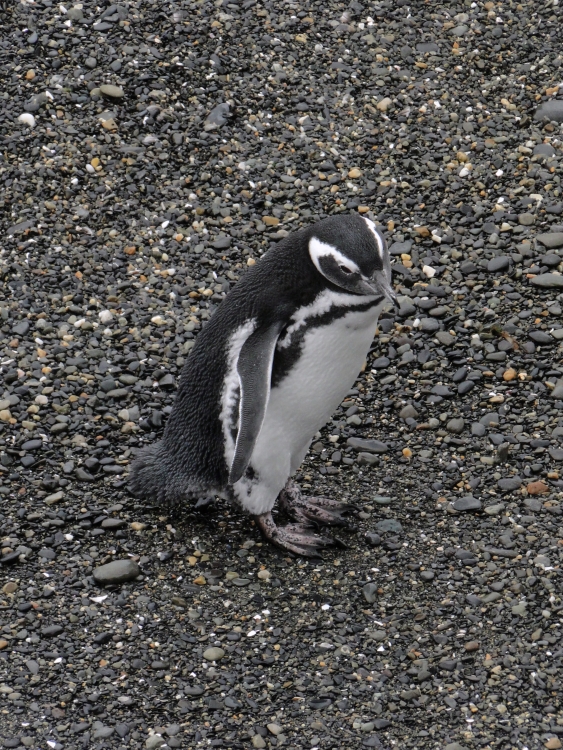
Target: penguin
[(266, 373)]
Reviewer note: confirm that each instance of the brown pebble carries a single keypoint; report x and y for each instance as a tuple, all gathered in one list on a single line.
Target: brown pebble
[(407, 453), (200, 581), (472, 646), (270, 221), (509, 374), (3, 644), (554, 743), (354, 173), (10, 587), (537, 488), (30, 75)]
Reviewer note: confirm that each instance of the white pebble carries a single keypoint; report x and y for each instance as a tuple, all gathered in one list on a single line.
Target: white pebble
[(158, 320), (105, 316), (464, 172), (429, 271), (27, 119), (41, 399)]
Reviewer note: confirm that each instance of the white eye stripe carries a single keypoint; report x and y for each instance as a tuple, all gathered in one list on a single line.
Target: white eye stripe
[(372, 228), (319, 249)]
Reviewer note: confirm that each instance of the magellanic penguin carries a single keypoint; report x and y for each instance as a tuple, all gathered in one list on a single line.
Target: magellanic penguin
[(267, 372)]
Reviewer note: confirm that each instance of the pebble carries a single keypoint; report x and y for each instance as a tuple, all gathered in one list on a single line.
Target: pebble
[(114, 92), (509, 484), (456, 426), (551, 239), (367, 446), (117, 571), (154, 741), (548, 281), (467, 503), (217, 117), (27, 119), (537, 488), (213, 654), (500, 263), (551, 110)]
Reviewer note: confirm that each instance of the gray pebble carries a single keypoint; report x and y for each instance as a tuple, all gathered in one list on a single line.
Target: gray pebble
[(456, 425), (551, 240), (550, 110), (213, 654), (548, 281), (500, 263), (466, 504), (117, 571)]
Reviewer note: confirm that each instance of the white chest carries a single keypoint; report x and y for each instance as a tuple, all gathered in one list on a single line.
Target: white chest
[(330, 359)]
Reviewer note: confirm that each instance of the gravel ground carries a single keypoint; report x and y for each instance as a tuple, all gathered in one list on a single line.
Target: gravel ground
[(150, 152)]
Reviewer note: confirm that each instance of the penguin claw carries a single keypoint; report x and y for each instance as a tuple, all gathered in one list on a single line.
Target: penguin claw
[(296, 537), (317, 510)]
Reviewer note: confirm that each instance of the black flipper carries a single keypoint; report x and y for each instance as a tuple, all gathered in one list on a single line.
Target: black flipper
[(254, 368)]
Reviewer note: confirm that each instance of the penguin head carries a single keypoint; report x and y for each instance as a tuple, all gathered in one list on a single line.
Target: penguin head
[(351, 253)]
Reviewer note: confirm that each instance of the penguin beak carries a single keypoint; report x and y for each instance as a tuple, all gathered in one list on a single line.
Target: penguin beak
[(380, 285)]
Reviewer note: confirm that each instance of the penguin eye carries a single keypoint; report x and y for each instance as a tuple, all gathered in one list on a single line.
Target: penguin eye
[(346, 270)]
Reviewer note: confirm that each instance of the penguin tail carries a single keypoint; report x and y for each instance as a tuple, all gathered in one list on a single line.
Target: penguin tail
[(157, 476), (147, 477)]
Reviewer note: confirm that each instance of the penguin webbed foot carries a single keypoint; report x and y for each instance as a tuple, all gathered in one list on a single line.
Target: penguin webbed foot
[(298, 538), (316, 510)]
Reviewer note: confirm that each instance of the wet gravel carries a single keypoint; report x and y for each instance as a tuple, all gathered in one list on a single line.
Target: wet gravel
[(150, 153)]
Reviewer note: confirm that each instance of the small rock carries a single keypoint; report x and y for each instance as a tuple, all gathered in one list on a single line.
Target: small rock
[(213, 654), (537, 488), (154, 741), (117, 571), (373, 539), (27, 119), (553, 743), (550, 110), (551, 240), (548, 281), (274, 729), (115, 92), (367, 446), (494, 510), (472, 646), (500, 263), (381, 500), (509, 484), (408, 411), (270, 221), (217, 117), (258, 741), (354, 173), (369, 591), (526, 219), (427, 575), (467, 503), (456, 425), (384, 104)]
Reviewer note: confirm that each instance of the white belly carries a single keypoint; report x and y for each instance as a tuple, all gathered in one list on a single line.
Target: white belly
[(331, 358)]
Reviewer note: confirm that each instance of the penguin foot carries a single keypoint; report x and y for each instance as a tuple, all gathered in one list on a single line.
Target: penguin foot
[(318, 510), (295, 537)]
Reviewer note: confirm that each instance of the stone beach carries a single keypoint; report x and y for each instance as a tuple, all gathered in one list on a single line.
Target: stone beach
[(151, 153)]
